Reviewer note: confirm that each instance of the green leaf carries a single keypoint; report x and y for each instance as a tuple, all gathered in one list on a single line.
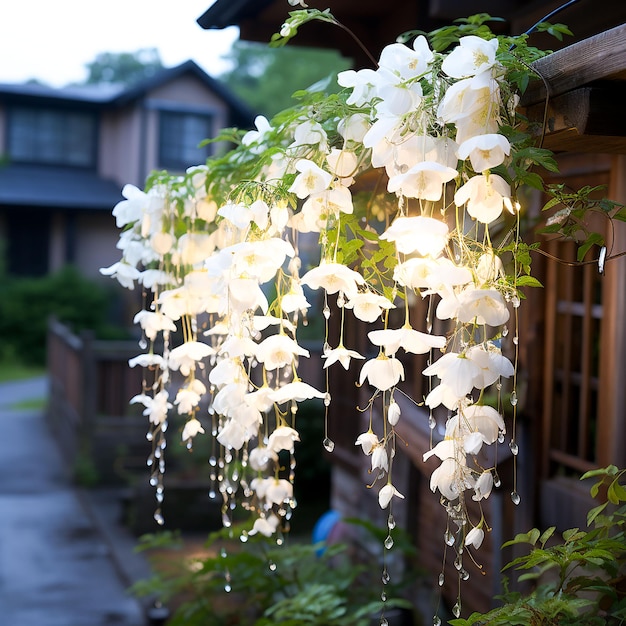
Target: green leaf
[(593, 239), (527, 281), (593, 513), (546, 534)]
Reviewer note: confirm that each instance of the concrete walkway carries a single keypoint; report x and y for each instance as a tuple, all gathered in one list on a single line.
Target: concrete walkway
[(57, 565)]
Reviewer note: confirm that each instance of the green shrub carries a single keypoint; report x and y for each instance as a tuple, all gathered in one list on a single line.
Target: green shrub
[(27, 303)]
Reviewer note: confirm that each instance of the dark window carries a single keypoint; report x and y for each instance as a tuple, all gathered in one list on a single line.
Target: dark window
[(179, 137), (52, 136)]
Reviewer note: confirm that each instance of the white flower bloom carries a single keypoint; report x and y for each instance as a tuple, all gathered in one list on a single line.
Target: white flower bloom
[(393, 413), (192, 428), (309, 133), (443, 394), (266, 525), (410, 340), (492, 363), (340, 354), (424, 180), (385, 495), (489, 268), (283, 438), (278, 491), (380, 459), (362, 83), (485, 196), (368, 306), (147, 360), (186, 356), (472, 56), (483, 486), (404, 62), (260, 458), (475, 537), (126, 274), (257, 136), (261, 399), (343, 164), (382, 372), (156, 408), (162, 243), (456, 371), (486, 306), (297, 391), (189, 396), (367, 441), (277, 351), (424, 235), (476, 418), (153, 322), (194, 248), (333, 277), (311, 179), (233, 435), (294, 300), (354, 127), (485, 151)]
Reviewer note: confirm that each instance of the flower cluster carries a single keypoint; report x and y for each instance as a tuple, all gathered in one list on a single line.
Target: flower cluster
[(439, 129)]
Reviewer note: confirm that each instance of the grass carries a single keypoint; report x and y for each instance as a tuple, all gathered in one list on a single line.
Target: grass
[(12, 370)]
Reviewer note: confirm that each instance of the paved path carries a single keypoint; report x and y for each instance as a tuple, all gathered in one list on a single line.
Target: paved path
[(56, 569)]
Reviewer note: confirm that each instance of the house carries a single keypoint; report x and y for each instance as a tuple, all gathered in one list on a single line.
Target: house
[(67, 153), (571, 414)]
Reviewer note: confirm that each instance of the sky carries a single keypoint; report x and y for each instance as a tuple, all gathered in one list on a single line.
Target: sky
[(53, 40)]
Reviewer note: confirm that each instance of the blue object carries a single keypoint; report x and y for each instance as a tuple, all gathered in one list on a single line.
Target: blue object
[(323, 527)]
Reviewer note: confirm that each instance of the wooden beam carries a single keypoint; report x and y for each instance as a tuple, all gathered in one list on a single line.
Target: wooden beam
[(599, 57), (588, 119)]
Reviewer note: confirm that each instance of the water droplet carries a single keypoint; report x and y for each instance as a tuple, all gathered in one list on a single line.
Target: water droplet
[(149, 436), (329, 444), (448, 537), (272, 566), (158, 517), (458, 563), (143, 344), (436, 621), (385, 577), (514, 447), (212, 494), (383, 621), (499, 386), (515, 498), (505, 331), (223, 553), (515, 301), (326, 312), (326, 399), (464, 574), (341, 301), (513, 398), (496, 479), (389, 542), (383, 596), (432, 422), (456, 609), (227, 588), (212, 461), (516, 340), (243, 537), (154, 481), (391, 522), (500, 437), (441, 579)]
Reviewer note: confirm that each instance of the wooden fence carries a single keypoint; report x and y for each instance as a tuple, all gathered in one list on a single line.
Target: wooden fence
[(88, 410)]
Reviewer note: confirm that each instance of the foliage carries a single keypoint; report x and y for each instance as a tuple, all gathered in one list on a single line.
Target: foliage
[(123, 68), (581, 578), (27, 303), (292, 584), (265, 78)]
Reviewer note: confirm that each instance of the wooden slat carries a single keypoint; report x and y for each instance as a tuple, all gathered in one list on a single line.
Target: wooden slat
[(599, 57)]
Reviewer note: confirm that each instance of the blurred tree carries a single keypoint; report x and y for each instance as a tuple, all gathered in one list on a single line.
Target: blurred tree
[(123, 68), (265, 78)]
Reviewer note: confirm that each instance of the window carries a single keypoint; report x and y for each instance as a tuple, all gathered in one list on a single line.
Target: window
[(179, 136), (52, 136)]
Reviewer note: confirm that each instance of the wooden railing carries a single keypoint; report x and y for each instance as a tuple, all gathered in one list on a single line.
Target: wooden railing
[(88, 410)]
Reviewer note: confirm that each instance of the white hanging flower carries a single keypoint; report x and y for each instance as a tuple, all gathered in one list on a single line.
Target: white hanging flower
[(385, 495), (486, 306), (368, 306), (343, 164), (493, 364), (233, 435), (340, 354), (475, 537), (266, 525), (277, 351), (257, 136), (186, 356), (485, 151), (410, 340), (424, 180), (362, 83), (407, 63), (368, 441), (382, 372), (278, 491), (192, 428), (283, 438), (156, 407), (153, 322), (483, 486), (485, 196), (311, 179), (147, 360), (424, 235), (380, 459), (261, 458), (472, 56), (296, 391), (393, 413), (333, 277), (189, 396), (126, 274), (456, 371)]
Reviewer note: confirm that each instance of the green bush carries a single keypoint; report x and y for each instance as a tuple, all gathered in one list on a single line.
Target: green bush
[(27, 303)]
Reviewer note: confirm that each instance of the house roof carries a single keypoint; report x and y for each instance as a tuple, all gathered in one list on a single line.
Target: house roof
[(112, 96), (56, 187)]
